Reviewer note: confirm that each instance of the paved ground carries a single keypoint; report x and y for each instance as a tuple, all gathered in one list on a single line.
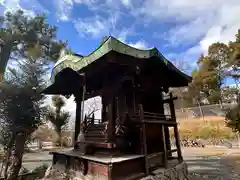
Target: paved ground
[(201, 162), (33, 160)]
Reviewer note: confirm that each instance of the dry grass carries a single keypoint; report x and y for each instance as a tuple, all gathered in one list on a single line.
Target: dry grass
[(206, 152), (200, 121), (213, 152), (193, 126)]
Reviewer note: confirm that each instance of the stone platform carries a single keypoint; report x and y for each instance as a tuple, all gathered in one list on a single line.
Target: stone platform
[(174, 172), (177, 172)]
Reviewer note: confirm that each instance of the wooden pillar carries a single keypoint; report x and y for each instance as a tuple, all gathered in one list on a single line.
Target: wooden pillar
[(179, 152), (167, 139), (104, 109), (111, 126), (165, 153), (134, 98), (144, 139), (117, 120), (77, 119), (93, 119), (172, 108), (176, 133)]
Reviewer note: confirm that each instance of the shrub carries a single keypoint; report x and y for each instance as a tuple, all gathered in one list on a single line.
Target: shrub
[(233, 118)]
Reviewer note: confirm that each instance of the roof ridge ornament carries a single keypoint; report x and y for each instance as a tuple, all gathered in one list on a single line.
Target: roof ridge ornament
[(104, 38), (63, 52)]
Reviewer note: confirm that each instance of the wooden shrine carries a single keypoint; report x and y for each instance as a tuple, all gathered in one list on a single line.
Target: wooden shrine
[(134, 130)]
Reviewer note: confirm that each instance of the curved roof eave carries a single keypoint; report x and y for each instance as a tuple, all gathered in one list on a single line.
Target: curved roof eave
[(76, 62)]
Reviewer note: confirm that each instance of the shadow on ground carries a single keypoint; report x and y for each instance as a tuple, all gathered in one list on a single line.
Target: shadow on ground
[(37, 160), (211, 169)]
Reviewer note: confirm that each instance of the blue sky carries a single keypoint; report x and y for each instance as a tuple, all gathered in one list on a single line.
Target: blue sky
[(180, 29)]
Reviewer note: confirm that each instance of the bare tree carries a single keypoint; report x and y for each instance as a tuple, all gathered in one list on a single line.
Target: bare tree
[(93, 106)]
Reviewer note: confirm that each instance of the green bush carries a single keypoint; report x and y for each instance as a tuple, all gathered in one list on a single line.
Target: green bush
[(42, 167), (233, 118), (38, 172)]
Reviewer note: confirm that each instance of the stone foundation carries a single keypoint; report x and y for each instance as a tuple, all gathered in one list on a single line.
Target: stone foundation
[(179, 172)]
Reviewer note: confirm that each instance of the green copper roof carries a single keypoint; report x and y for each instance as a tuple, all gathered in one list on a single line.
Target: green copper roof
[(77, 62)]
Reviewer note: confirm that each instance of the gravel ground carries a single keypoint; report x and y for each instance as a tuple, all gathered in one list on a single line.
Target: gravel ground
[(208, 167), (200, 166)]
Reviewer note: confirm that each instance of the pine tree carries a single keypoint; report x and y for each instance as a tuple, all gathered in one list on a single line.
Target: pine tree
[(31, 42), (27, 36)]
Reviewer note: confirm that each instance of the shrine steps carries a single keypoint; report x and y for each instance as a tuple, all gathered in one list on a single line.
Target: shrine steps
[(95, 133)]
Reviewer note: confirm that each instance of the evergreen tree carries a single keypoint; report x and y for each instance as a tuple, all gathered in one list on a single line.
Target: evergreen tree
[(26, 36), (32, 43)]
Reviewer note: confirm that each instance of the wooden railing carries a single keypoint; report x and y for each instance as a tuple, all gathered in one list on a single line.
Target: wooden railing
[(151, 117), (94, 121), (144, 118), (156, 115), (156, 159), (88, 121)]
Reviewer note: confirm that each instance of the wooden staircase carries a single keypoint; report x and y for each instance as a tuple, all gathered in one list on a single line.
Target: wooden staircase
[(95, 133)]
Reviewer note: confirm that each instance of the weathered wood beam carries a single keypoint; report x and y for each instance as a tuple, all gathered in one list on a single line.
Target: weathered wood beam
[(179, 152), (172, 108), (165, 122), (144, 139), (77, 119), (167, 137), (167, 100), (110, 128), (165, 152)]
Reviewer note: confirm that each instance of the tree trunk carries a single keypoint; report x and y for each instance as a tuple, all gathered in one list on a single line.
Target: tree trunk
[(238, 139), (220, 104), (39, 142), (59, 140), (238, 91), (4, 162), (6, 50), (200, 108), (17, 156), (8, 154)]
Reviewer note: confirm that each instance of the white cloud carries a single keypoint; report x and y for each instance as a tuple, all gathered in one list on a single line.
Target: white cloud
[(196, 22), (93, 26), (189, 32), (202, 23), (13, 5), (64, 9), (139, 45), (98, 27), (101, 28), (126, 3), (185, 61), (180, 10), (29, 7)]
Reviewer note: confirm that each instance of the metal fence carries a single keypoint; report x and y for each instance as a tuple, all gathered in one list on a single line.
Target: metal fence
[(206, 110)]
